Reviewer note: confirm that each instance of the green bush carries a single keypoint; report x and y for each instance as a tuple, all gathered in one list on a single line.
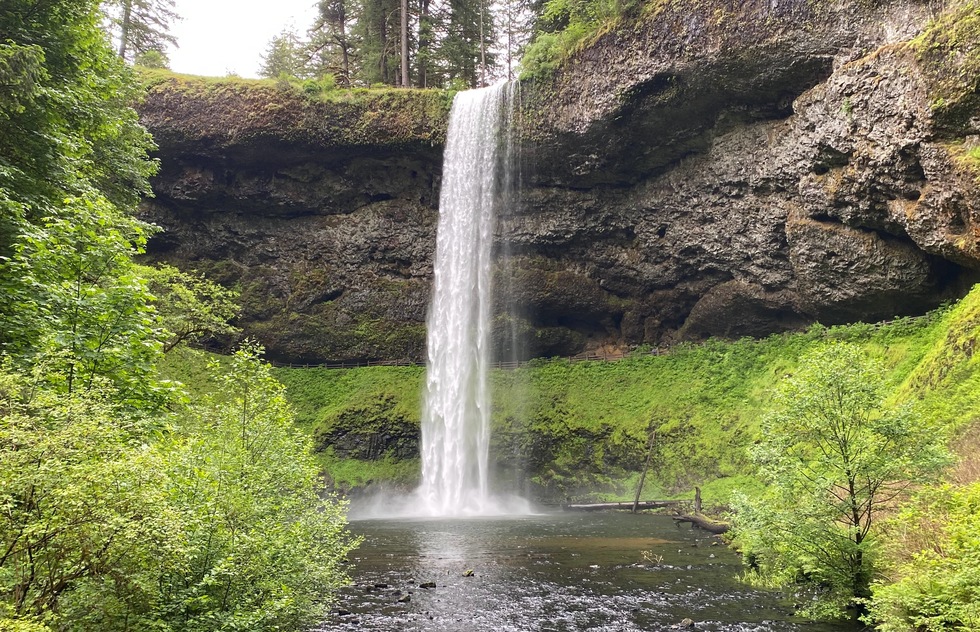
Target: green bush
[(834, 453), (323, 85), (937, 587), (208, 519)]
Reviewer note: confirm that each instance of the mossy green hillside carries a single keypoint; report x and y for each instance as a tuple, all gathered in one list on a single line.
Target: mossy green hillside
[(583, 428), (365, 421), (571, 431)]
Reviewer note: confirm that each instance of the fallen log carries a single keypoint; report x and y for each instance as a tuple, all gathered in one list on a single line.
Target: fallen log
[(643, 504), (709, 525)]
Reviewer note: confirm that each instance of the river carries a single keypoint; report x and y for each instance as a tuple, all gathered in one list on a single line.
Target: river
[(558, 572)]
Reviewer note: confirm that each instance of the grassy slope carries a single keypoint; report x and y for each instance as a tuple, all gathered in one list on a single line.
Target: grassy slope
[(581, 429)]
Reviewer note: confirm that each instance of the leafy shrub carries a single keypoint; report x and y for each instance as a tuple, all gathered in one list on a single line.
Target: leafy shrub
[(938, 587), (323, 85), (834, 455)]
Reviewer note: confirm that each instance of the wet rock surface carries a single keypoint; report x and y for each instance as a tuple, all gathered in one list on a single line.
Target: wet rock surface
[(709, 170)]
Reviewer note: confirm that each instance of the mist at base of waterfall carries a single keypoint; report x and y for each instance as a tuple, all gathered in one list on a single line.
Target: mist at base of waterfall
[(387, 504)]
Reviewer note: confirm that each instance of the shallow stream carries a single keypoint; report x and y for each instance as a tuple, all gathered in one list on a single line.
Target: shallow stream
[(558, 572)]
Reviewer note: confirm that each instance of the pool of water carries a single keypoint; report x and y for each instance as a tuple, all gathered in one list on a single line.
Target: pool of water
[(561, 572)]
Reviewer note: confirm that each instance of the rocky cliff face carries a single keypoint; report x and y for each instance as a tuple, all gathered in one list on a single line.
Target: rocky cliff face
[(707, 169), (754, 167), (322, 213)]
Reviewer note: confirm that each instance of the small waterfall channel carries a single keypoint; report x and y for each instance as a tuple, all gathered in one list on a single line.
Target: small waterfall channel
[(456, 410)]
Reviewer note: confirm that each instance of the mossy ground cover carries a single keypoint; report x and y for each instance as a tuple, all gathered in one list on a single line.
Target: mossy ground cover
[(575, 431), (289, 109)]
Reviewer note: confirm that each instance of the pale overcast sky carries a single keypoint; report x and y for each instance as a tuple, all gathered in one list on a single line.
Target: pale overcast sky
[(221, 36)]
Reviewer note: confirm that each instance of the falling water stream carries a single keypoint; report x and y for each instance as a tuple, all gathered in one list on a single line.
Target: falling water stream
[(456, 413)]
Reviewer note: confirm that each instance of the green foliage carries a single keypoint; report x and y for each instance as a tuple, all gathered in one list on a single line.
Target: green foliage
[(947, 380), (579, 430), (283, 57), (834, 456), (122, 508), (82, 496), (141, 26), (565, 26), (363, 402), (190, 306), (937, 587), (76, 301), (263, 550), (22, 625), (213, 521), (359, 474), (316, 87), (949, 52), (152, 59), (65, 122)]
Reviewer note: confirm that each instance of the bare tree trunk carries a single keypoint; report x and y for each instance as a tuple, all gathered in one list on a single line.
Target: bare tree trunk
[(422, 74), (344, 45), (124, 27), (405, 80), (646, 466)]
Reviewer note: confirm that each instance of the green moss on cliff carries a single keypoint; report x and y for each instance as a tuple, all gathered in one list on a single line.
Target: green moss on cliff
[(949, 51), (585, 425), (232, 108), (579, 430), (350, 407)]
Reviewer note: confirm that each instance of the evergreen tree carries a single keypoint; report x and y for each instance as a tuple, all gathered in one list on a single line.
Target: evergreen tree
[(515, 25), (377, 29), (283, 57), (152, 59), (141, 26), (332, 46), (426, 40), (468, 43)]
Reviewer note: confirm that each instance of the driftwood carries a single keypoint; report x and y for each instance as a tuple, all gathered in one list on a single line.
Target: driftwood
[(711, 526), (642, 504)]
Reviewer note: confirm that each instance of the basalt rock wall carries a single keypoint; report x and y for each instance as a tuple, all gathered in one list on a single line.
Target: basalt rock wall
[(321, 212), (705, 169)]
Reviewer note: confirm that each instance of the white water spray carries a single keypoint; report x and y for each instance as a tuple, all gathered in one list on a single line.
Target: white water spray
[(456, 413)]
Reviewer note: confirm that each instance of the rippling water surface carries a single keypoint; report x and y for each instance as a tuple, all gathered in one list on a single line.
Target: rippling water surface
[(552, 573)]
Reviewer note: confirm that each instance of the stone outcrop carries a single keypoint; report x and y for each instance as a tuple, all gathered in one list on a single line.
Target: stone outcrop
[(707, 169), (744, 169), (321, 213)]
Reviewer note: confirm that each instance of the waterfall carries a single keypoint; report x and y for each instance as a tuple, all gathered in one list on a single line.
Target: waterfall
[(456, 412)]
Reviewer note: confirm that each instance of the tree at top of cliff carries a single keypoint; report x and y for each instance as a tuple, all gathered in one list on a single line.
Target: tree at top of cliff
[(333, 48), (66, 127), (140, 26), (283, 56)]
